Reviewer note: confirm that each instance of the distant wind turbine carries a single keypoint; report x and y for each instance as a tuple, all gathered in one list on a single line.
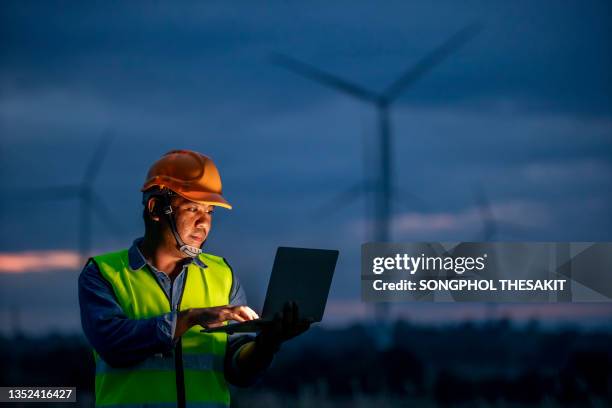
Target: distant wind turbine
[(90, 202), (489, 232), (489, 224), (491, 227)]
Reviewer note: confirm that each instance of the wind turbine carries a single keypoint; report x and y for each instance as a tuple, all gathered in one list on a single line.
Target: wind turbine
[(90, 202), (491, 227), (489, 224), (383, 187)]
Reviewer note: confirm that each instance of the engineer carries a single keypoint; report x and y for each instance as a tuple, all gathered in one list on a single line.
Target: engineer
[(143, 308)]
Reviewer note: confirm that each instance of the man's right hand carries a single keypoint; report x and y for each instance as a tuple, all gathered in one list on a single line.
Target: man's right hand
[(211, 317), (215, 316)]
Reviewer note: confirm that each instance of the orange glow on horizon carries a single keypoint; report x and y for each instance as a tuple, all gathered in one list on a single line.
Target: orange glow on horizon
[(38, 261)]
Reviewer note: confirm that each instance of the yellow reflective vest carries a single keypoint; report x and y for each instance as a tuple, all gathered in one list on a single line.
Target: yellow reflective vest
[(191, 374)]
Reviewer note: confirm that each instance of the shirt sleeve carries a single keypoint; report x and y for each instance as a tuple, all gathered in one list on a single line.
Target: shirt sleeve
[(237, 294), (120, 341)]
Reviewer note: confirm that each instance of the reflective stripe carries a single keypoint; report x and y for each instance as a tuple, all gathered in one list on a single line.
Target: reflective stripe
[(150, 364), (170, 405), (206, 362), (203, 362)]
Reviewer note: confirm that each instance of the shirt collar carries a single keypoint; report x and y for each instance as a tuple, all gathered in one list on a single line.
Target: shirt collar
[(138, 261)]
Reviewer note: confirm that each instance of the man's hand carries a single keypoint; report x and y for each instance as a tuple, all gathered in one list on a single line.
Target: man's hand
[(212, 317), (256, 355), (285, 326), (215, 316)]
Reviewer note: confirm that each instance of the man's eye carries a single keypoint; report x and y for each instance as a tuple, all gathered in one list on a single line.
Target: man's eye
[(193, 209)]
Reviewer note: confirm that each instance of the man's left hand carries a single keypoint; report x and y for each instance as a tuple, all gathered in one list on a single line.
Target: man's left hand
[(285, 326)]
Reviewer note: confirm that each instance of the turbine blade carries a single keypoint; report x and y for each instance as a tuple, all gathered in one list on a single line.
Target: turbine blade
[(339, 200), (103, 213), (96, 160), (431, 60), (332, 81), (408, 200)]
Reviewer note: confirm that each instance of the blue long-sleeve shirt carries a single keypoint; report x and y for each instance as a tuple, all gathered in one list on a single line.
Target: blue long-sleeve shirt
[(121, 341)]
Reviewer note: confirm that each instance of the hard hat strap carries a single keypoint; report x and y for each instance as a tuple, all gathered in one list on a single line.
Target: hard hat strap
[(188, 250)]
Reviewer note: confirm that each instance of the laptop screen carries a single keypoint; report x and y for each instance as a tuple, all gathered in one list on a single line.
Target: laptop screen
[(301, 275)]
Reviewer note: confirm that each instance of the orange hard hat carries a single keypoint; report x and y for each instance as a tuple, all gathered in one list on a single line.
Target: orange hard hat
[(189, 174)]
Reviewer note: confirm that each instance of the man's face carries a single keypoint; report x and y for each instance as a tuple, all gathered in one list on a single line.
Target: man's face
[(193, 220)]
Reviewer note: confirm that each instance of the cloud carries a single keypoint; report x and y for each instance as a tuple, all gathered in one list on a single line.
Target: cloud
[(518, 213), (208, 51), (570, 171), (523, 213), (38, 261), (70, 108), (345, 311)]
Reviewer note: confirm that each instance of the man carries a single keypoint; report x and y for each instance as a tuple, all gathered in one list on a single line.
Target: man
[(143, 308)]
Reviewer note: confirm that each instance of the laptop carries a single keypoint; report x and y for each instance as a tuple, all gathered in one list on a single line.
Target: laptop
[(302, 275)]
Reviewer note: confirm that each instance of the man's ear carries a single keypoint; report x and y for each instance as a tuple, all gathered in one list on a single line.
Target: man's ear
[(154, 208)]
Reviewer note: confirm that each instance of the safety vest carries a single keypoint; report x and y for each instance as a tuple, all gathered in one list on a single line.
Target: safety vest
[(191, 374)]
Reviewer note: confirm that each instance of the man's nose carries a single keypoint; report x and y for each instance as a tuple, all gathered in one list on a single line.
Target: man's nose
[(204, 221)]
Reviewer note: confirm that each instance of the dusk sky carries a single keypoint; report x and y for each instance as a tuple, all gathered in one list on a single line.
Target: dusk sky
[(523, 111)]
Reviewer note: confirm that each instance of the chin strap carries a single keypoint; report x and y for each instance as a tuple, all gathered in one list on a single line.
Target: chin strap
[(188, 250)]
